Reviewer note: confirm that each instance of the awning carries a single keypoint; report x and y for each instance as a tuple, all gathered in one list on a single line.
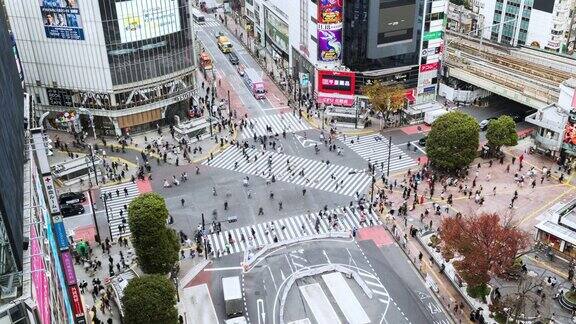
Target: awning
[(335, 99)]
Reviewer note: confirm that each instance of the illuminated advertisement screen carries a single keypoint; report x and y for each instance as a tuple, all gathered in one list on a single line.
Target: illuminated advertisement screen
[(329, 11), (61, 19), (329, 43), (143, 19), (338, 82)]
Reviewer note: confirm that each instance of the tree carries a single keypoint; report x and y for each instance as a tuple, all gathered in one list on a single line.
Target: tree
[(487, 247), (453, 141), (150, 299), (385, 98), (156, 245), (501, 132)]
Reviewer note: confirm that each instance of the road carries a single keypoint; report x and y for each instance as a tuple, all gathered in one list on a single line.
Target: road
[(225, 71)]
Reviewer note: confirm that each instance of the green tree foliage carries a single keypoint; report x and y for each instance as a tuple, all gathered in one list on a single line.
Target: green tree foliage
[(150, 299), (385, 98), (501, 132), (453, 141), (156, 245)]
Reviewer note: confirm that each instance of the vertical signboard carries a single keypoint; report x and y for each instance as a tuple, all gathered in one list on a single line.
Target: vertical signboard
[(79, 317), (329, 33), (329, 11), (68, 266), (51, 195), (60, 232), (61, 19), (329, 44)]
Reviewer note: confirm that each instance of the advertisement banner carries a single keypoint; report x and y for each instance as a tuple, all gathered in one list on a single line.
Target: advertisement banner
[(68, 266), (432, 35), (330, 44), (138, 20), (51, 194), (76, 301), (61, 237), (429, 67), (39, 278), (338, 82), (329, 11), (61, 19), (336, 100)]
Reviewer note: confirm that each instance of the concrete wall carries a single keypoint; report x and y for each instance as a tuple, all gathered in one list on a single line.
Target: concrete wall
[(452, 94)]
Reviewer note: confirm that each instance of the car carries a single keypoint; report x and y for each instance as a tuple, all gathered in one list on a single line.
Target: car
[(233, 58), (484, 123), (71, 209), (422, 141), (71, 198)]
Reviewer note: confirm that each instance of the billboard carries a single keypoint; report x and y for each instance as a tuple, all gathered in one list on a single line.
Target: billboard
[(68, 265), (330, 43), (277, 31), (76, 299), (338, 82), (61, 19), (429, 67), (139, 20), (330, 11)]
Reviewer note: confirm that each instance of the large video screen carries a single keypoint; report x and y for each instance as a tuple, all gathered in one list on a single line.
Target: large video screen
[(396, 20), (144, 19)]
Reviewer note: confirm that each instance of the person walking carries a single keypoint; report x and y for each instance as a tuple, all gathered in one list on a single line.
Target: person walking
[(182, 202)]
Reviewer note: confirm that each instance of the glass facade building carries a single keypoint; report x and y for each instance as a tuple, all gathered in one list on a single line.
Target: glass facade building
[(382, 40), (128, 64)]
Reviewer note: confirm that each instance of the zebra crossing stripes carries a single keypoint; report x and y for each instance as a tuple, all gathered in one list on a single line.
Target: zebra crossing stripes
[(287, 228), (374, 149), (209, 22), (279, 122), (116, 204), (316, 174)]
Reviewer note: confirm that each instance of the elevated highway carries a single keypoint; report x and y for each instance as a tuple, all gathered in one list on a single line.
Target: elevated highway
[(525, 75)]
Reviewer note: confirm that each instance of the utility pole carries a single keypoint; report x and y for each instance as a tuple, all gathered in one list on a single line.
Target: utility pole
[(373, 183), (229, 107), (105, 199), (389, 153), (356, 108)]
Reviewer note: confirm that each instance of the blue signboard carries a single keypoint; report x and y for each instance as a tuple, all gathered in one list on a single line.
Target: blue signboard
[(61, 236), (61, 19)]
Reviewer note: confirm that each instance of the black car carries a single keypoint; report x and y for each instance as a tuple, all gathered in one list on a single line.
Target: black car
[(233, 58), (71, 209), (72, 198)]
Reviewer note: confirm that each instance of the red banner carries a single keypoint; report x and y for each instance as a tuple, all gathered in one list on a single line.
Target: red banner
[(76, 300), (429, 67), (339, 82)]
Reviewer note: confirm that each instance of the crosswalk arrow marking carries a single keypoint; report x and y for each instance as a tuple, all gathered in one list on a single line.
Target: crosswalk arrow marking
[(306, 142)]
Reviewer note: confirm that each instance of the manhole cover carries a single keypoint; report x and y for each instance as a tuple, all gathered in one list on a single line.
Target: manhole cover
[(257, 293)]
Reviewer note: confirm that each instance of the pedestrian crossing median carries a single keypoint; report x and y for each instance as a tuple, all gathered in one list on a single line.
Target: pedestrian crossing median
[(278, 123)]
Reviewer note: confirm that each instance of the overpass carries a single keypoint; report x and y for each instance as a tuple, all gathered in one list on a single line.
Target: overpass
[(526, 75)]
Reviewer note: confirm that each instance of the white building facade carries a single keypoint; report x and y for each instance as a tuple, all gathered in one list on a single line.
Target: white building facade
[(125, 65), (545, 24)]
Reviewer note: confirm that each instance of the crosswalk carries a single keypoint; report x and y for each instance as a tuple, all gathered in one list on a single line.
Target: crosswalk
[(116, 204), (288, 228), (374, 149), (279, 122), (292, 169), (210, 23)]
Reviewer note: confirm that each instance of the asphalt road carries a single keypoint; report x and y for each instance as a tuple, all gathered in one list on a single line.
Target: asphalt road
[(224, 69)]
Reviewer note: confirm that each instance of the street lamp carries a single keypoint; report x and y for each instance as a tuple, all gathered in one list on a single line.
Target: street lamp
[(389, 154)]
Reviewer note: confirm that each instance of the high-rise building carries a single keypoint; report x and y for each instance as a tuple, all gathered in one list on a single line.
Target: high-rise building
[(11, 164), (545, 24), (106, 61)]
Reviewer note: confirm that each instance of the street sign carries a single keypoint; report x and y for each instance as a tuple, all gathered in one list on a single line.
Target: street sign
[(432, 35)]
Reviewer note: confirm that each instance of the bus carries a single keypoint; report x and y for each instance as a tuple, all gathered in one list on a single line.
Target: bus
[(198, 16)]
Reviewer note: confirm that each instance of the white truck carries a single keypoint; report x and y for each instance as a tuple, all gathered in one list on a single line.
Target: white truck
[(232, 296), (431, 116)]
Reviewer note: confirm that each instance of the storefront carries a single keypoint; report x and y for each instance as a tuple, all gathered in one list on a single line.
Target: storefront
[(335, 98), (557, 230), (277, 43)]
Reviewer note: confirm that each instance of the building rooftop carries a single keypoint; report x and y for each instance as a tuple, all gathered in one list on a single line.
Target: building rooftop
[(560, 221)]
